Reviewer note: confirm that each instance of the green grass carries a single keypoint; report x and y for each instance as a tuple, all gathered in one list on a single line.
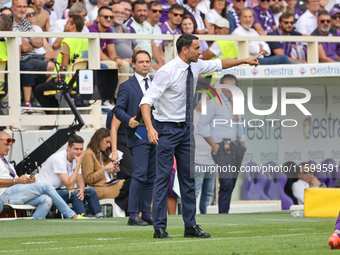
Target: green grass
[(262, 233)]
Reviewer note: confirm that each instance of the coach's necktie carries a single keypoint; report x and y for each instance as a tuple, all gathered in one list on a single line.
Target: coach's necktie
[(146, 84), (189, 97)]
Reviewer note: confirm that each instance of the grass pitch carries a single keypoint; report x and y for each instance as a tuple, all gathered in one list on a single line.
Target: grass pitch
[(261, 233)]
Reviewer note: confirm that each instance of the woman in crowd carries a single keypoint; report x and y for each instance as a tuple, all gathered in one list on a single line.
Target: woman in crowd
[(97, 166), (189, 26), (218, 9)]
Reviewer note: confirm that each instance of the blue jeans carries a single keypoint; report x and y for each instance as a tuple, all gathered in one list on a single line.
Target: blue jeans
[(90, 195), (41, 195), (274, 60), (204, 182)]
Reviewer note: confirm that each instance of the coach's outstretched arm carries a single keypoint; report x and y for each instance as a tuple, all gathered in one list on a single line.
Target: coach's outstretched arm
[(152, 133), (227, 63)]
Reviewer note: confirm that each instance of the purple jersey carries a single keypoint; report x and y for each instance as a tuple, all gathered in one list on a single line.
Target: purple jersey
[(330, 48), (103, 42), (266, 20), (167, 31), (166, 9)]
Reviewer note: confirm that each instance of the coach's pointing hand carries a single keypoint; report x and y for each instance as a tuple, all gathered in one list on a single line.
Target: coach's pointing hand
[(253, 61)]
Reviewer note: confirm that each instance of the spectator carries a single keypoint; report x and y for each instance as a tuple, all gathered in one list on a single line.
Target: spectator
[(189, 26), (43, 19), (69, 46), (138, 25), (63, 170), (293, 10), (277, 7), (59, 25), (166, 6), (203, 26), (27, 81), (218, 9), (264, 22), (246, 16), (128, 9), (37, 62), (307, 22), (46, 49), (108, 55), (306, 180), (170, 27), (154, 14), (323, 4), (97, 167), (295, 51), (233, 19), (24, 190), (94, 12), (327, 50), (69, 5), (124, 47), (221, 49), (49, 8), (60, 7), (335, 22)]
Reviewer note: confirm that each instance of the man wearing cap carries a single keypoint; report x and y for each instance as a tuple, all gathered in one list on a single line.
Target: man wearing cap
[(246, 16), (221, 49), (327, 50), (335, 14), (233, 19)]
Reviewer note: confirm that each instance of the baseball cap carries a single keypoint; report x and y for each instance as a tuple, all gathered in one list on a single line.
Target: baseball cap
[(221, 22), (334, 11)]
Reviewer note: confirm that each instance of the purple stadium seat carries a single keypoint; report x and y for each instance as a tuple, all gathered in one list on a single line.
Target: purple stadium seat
[(286, 201), (272, 188), (256, 189), (247, 182)]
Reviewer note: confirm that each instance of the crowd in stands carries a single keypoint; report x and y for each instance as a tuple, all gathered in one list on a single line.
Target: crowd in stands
[(219, 17)]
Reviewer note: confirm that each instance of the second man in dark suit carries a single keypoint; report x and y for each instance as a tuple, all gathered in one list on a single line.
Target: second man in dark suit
[(129, 96)]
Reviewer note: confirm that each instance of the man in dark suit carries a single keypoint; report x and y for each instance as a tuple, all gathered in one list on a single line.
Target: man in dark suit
[(144, 154)]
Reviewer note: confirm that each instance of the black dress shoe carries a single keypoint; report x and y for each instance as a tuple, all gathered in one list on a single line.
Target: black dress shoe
[(149, 221), (195, 231), (137, 222), (161, 233)]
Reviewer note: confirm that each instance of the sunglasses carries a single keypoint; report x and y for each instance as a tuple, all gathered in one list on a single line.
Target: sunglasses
[(336, 17), (8, 15), (288, 22), (155, 11), (74, 1), (325, 21), (106, 16), (265, 0), (8, 140), (177, 14), (241, 1), (30, 14)]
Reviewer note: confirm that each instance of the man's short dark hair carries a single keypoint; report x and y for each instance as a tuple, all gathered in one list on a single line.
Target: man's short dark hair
[(286, 15), (134, 56), (245, 9), (176, 7), (78, 21), (6, 23), (185, 40), (323, 13), (153, 3), (136, 3), (103, 8), (75, 139), (229, 77)]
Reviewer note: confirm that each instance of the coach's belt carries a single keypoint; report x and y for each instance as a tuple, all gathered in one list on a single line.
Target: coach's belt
[(180, 124)]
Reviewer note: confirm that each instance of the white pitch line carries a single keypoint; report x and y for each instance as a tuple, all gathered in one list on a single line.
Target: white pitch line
[(108, 239), (296, 228), (295, 220), (39, 242), (76, 221), (222, 224)]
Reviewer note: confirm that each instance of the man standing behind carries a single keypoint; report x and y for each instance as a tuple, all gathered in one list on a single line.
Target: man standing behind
[(23, 190), (172, 124), (108, 54), (264, 19), (144, 153), (307, 22), (63, 171), (43, 19), (154, 14)]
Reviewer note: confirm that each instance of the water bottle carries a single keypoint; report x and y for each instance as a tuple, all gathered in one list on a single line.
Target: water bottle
[(297, 214)]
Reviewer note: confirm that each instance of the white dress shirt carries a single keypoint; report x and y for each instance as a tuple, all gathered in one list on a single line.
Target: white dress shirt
[(254, 46), (58, 27), (168, 90), (307, 23), (93, 13), (298, 189), (141, 81), (220, 131)]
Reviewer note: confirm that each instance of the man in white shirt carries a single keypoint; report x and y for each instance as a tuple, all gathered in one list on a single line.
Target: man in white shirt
[(226, 141), (247, 16), (307, 22), (94, 12), (306, 180), (23, 190), (59, 25), (154, 14), (172, 94), (63, 171)]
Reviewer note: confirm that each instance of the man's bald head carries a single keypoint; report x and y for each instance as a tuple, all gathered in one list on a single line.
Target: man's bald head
[(4, 135)]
